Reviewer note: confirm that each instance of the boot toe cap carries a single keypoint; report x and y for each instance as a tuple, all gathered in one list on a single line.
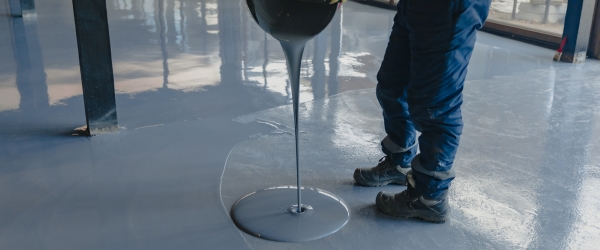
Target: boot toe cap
[(359, 178), (383, 202)]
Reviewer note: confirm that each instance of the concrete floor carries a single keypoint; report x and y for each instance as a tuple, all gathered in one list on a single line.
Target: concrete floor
[(204, 114)]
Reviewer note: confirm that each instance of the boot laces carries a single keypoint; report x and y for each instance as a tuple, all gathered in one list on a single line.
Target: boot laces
[(383, 165), (385, 160)]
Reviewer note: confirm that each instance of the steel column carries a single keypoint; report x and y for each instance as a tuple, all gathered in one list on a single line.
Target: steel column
[(514, 11), (95, 64), (594, 46), (546, 12), (578, 24)]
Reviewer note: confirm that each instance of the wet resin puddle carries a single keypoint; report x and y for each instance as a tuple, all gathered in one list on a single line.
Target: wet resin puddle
[(278, 213), (267, 214)]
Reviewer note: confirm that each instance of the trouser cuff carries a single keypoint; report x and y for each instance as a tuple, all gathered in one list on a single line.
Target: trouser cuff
[(394, 148), (440, 175)]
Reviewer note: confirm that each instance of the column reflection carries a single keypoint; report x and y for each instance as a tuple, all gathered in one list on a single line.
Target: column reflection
[(565, 156), (336, 50), (30, 75), (230, 42), (162, 19), (318, 65)]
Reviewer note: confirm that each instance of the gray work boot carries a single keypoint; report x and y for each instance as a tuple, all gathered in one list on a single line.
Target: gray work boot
[(411, 204), (384, 173)]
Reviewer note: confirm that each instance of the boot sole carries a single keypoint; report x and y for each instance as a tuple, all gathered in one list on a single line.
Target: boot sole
[(379, 184), (424, 218), (360, 181)]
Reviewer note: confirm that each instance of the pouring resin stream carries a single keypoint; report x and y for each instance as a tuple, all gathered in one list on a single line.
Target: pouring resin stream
[(291, 213)]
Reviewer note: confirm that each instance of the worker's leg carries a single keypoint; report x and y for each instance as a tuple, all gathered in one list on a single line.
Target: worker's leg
[(400, 143), (393, 79), (442, 37)]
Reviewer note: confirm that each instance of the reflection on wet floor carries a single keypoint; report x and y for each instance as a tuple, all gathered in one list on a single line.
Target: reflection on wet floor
[(184, 70), (187, 46), (525, 169)]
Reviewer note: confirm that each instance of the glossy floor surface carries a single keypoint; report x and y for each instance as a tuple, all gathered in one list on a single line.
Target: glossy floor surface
[(205, 118)]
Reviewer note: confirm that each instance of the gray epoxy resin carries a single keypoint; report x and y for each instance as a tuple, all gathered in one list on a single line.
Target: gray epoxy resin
[(272, 213), (269, 214)]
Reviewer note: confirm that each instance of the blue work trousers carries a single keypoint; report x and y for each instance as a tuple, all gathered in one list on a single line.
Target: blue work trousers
[(420, 85)]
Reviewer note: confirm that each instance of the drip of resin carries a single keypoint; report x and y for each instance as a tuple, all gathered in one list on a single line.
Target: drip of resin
[(293, 55), (271, 213), (293, 23)]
